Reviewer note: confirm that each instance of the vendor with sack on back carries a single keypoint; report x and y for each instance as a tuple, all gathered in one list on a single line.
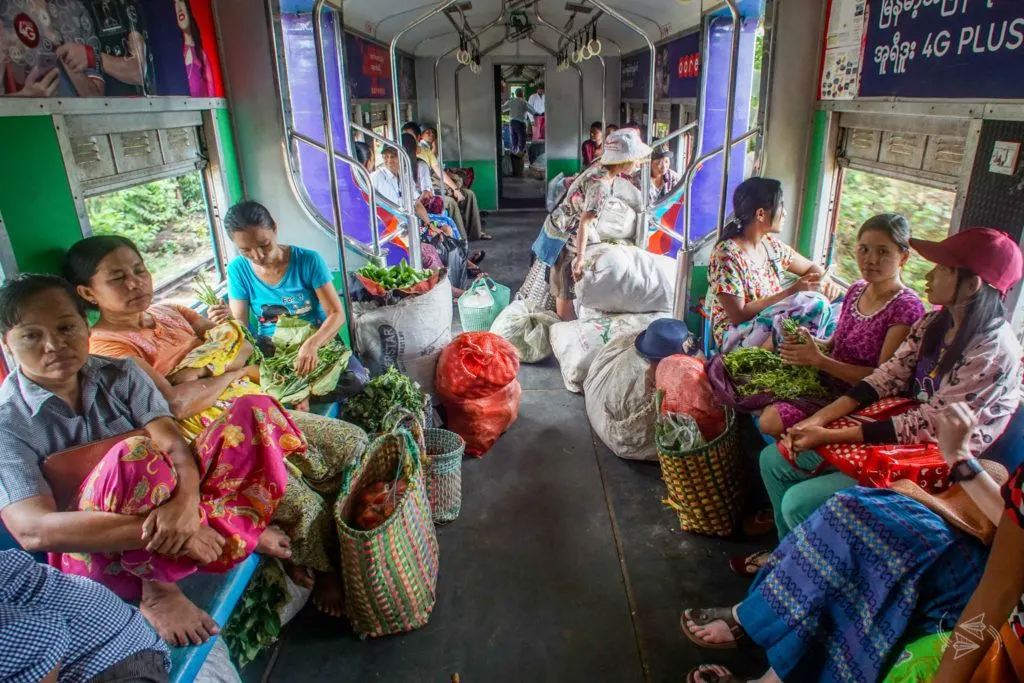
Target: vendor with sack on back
[(602, 206)]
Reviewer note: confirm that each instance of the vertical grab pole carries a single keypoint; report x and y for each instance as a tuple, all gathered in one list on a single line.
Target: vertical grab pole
[(458, 111), (645, 174), (332, 169), (730, 104), (437, 99), (579, 129)]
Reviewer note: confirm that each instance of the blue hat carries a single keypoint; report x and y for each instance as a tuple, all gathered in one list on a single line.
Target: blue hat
[(665, 337)]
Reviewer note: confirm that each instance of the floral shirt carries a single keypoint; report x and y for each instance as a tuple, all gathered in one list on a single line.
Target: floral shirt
[(987, 377), (733, 272)]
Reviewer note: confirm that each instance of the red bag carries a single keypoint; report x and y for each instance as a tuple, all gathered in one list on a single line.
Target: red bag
[(481, 421), (687, 391), (879, 465), (474, 365)]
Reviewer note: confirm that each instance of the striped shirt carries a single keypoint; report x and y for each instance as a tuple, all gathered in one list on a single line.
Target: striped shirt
[(117, 397), (48, 617)]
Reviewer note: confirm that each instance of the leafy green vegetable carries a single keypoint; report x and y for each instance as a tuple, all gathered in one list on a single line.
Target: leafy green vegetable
[(757, 370), (291, 332), (395, 277), (256, 620), (791, 326), (369, 408), (207, 296), (277, 373)]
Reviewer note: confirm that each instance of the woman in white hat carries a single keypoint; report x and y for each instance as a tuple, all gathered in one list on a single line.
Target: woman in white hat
[(582, 219)]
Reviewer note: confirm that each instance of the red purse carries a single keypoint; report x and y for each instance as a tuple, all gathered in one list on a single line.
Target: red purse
[(879, 465)]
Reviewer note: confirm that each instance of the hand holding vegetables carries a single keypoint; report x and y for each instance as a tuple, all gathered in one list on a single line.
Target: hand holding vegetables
[(279, 375), (218, 314), (307, 358), (799, 347)]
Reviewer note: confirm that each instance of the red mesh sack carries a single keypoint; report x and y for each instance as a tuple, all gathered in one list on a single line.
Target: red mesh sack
[(475, 365), (481, 421), (687, 391)]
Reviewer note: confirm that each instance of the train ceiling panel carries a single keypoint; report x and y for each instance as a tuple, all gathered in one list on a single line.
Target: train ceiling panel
[(382, 19)]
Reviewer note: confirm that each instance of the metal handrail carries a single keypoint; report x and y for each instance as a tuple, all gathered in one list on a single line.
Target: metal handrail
[(645, 171), (673, 135), (604, 78), (413, 232), (332, 171)]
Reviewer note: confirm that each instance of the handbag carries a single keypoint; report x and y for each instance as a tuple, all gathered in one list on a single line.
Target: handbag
[(880, 465)]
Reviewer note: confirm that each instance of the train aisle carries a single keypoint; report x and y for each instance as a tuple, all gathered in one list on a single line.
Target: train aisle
[(563, 565)]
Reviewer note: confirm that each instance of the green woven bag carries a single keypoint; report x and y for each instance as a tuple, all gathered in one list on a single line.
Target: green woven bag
[(476, 319), (444, 474)]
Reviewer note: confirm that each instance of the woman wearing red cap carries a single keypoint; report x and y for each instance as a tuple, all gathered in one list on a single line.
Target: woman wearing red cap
[(965, 353)]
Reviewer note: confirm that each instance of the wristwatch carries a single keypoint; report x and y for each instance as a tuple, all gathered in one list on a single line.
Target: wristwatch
[(965, 470)]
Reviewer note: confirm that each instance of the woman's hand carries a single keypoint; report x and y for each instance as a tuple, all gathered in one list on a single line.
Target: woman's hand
[(218, 314), (808, 283), (801, 349), (807, 438), (75, 56), (251, 372), (956, 424), (831, 289), (168, 528), (307, 359), (577, 267), (204, 546)]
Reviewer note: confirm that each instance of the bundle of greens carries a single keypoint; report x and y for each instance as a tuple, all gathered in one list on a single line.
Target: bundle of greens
[(369, 408), (277, 373), (395, 277), (207, 296), (756, 371), (791, 326)]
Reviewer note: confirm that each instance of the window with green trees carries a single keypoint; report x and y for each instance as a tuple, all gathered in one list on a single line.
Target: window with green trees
[(168, 221), (928, 209)]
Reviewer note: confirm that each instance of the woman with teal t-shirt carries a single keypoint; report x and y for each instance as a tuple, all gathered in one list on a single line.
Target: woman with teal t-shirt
[(271, 279)]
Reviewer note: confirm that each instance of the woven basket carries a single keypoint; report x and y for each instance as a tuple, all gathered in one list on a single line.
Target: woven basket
[(390, 572), (707, 486), (481, 319), (536, 287), (444, 475)]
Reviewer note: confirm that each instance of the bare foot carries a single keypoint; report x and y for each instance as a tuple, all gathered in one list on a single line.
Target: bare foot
[(176, 618), (301, 576), (328, 594), (275, 543), (715, 632)]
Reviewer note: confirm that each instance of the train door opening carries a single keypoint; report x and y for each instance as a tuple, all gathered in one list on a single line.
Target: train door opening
[(520, 136)]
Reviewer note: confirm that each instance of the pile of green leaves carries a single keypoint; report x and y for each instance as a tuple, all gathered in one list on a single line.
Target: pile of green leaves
[(277, 373), (395, 277), (255, 622), (369, 407), (756, 370)]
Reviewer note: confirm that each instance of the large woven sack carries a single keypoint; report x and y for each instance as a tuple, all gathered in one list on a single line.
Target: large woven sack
[(619, 278), (408, 334), (390, 572), (474, 365), (620, 400), (686, 390), (482, 421), (707, 485), (576, 344), (525, 326)]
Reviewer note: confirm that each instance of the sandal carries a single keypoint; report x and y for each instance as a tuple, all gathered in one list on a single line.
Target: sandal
[(707, 615), (485, 237), (760, 523), (708, 676), (749, 565), (477, 257)]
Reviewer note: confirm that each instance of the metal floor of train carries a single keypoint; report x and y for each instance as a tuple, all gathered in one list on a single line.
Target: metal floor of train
[(563, 566)]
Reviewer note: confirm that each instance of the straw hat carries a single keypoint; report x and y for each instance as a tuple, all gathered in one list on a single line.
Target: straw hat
[(624, 146), (955, 505)]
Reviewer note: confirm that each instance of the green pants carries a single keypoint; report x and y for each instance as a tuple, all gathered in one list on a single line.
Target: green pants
[(795, 493)]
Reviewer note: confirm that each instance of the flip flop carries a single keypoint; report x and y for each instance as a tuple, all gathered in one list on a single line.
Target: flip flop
[(750, 565), (480, 258), (710, 676), (485, 237), (706, 615)]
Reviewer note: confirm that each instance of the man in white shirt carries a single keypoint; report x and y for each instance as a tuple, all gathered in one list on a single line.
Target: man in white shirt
[(536, 103), (388, 183)]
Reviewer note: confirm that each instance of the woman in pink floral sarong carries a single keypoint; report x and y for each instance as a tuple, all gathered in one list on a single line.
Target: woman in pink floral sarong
[(151, 510)]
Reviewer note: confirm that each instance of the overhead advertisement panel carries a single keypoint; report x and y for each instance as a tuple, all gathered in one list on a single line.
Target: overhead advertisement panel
[(676, 72)]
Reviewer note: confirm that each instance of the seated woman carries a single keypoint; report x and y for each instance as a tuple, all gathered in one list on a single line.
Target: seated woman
[(965, 352), (109, 274), (875, 319), (152, 510), (570, 228), (592, 147), (868, 569), (746, 269), (663, 178)]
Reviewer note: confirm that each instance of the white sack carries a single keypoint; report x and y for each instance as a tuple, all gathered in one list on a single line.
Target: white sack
[(409, 334), (619, 393), (620, 278), (577, 343), (525, 325)]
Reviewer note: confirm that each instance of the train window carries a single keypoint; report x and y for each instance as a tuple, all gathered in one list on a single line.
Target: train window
[(864, 194), (169, 222)]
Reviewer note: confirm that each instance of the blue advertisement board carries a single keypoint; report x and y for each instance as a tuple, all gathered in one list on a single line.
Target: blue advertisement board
[(636, 74), (676, 71), (956, 49)]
